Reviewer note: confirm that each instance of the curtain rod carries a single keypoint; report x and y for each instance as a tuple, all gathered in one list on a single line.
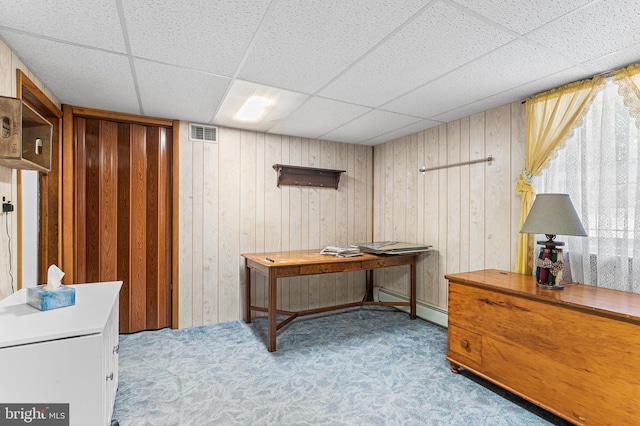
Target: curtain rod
[(489, 159), (605, 74)]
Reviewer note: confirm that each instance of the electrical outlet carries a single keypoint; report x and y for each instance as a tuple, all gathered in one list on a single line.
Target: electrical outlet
[(5, 198)]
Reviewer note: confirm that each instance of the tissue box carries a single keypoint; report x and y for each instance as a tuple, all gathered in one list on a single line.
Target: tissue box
[(46, 300)]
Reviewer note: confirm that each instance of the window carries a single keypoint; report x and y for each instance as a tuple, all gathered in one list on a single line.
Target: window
[(598, 168)]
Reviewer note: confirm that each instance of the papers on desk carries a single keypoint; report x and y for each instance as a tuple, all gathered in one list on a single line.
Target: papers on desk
[(392, 247), (377, 247), (341, 251)]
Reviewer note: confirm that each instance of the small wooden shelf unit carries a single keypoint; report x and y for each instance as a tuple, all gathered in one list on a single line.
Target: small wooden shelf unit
[(575, 352), (307, 176)]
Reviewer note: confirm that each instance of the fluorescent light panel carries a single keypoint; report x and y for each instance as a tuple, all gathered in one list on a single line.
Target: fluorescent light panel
[(253, 109), (268, 104)]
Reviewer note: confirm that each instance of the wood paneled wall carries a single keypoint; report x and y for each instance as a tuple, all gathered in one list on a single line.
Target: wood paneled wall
[(468, 213), (230, 204)]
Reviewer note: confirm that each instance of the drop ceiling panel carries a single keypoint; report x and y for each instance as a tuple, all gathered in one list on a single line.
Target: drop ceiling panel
[(404, 131), (618, 59), (90, 23), (522, 16), (86, 77), (305, 122), (370, 125), (519, 93), (441, 39), (301, 49), (599, 29), (515, 64), (204, 35), (192, 96), (374, 69)]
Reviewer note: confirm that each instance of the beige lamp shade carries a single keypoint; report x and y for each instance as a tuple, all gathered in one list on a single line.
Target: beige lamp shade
[(553, 214)]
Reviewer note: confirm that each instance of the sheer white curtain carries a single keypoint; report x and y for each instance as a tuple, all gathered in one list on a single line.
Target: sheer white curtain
[(598, 167)]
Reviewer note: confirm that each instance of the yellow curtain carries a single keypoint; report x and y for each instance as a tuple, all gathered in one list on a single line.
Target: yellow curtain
[(550, 117), (628, 81)]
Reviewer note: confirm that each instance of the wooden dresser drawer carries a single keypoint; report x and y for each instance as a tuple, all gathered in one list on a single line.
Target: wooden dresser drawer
[(465, 343)]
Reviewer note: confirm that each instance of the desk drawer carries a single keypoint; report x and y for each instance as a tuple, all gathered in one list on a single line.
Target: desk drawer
[(330, 268), (465, 343)]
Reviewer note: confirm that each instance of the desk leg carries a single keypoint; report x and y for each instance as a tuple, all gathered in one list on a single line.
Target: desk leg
[(247, 293), (271, 312), (369, 286), (412, 297)]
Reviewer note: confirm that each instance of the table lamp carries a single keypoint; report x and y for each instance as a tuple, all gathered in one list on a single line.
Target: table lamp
[(552, 214)]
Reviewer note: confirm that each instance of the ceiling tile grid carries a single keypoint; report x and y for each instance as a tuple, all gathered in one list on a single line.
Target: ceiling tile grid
[(79, 76), (440, 40), (401, 132), (617, 59), (516, 94), (362, 71), (512, 65), (191, 96), (602, 28), (522, 16), (370, 125), (302, 49), (204, 35), (306, 122), (89, 23)]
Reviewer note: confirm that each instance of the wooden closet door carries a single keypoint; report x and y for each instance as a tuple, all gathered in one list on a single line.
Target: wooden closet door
[(123, 216)]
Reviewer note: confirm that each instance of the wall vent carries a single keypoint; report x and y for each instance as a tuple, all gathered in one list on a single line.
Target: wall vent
[(202, 133)]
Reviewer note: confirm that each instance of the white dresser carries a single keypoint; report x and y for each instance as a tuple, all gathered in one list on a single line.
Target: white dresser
[(66, 355)]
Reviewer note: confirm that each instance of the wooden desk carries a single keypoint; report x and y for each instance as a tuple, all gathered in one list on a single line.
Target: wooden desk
[(311, 262)]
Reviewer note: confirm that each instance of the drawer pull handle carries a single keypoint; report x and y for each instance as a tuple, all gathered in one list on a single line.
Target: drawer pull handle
[(116, 349), (464, 344), (110, 376)]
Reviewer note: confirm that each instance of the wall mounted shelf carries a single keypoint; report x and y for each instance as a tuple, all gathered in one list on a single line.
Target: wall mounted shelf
[(25, 137), (307, 176)]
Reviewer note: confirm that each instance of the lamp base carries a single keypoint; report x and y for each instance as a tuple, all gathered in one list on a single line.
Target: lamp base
[(551, 286), (549, 267)]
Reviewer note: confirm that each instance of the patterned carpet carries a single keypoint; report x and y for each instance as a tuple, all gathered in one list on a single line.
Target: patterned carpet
[(368, 366)]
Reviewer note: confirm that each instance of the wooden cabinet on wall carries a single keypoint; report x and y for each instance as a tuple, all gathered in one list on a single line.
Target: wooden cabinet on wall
[(25, 137), (573, 352)]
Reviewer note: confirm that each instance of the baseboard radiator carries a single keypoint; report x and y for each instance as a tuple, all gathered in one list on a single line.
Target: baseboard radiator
[(424, 310)]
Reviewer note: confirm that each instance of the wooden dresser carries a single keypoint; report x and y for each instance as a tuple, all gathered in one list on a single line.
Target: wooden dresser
[(574, 352)]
